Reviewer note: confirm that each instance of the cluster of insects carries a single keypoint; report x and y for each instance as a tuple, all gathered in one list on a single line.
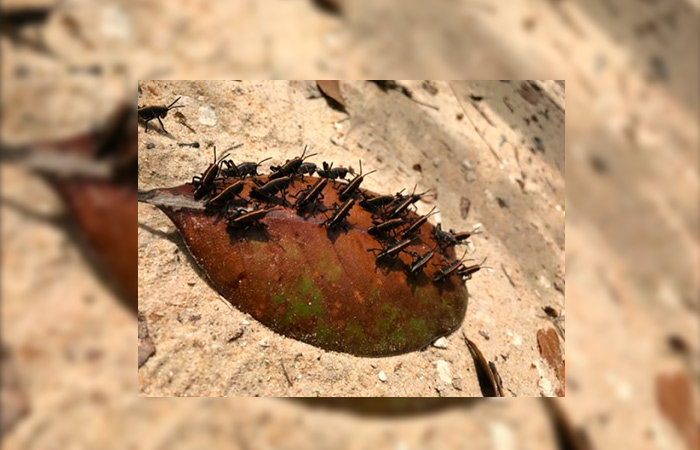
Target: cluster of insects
[(392, 225)]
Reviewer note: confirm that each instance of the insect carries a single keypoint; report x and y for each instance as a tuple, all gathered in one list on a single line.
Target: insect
[(447, 238), (392, 250), (333, 173), (205, 182), (352, 186), (245, 219), (404, 202), (449, 269), (415, 226), (420, 261), (243, 169), (267, 190), (380, 201), (388, 225), (307, 168), (466, 272), (148, 113), (291, 167), (339, 214), (230, 191), (311, 194)]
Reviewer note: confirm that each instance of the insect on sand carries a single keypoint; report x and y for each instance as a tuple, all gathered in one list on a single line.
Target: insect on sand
[(148, 113)]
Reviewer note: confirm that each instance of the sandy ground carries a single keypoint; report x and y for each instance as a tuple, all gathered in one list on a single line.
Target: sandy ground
[(519, 204), (632, 194)]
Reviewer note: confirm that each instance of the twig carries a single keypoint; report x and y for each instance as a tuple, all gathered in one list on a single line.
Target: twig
[(157, 198), (507, 276), (490, 385), (286, 375)]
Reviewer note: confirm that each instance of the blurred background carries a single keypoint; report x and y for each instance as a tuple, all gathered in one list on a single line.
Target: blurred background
[(631, 96)]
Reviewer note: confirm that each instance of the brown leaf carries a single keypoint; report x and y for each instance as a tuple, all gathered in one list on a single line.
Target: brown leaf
[(103, 208), (674, 396), (489, 380), (548, 343), (332, 89), (317, 285)]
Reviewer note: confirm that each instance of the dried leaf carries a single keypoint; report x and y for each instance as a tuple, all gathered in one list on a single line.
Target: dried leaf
[(490, 382), (317, 285), (674, 396), (548, 343), (332, 89), (103, 208)]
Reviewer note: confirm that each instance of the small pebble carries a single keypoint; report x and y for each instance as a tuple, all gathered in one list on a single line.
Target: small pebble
[(457, 383), (207, 115), (460, 115), (264, 343), (440, 343), (485, 334), (467, 165), (444, 371), (150, 145), (382, 376), (436, 162), (471, 176)]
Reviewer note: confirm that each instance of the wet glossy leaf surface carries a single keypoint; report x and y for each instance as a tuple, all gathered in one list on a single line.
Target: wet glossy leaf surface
[(322, 286)]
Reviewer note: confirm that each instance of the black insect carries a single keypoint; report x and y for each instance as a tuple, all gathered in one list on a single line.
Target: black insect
[(463, 235), (245, 219), (415, 226), (466, 272), (403, 202), (291, 167), (332, 173), (243, 169), (392, 250), (449, 269), (374, 203), (148, 113), (230, 191), (204, 183), (309, 195), (272, 187), (307, 168), (339, 214), (383, 227), (420, 261), (352, 186), (448, 238)]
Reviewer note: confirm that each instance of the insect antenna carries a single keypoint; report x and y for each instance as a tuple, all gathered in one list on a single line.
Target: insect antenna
[(170, 106)]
